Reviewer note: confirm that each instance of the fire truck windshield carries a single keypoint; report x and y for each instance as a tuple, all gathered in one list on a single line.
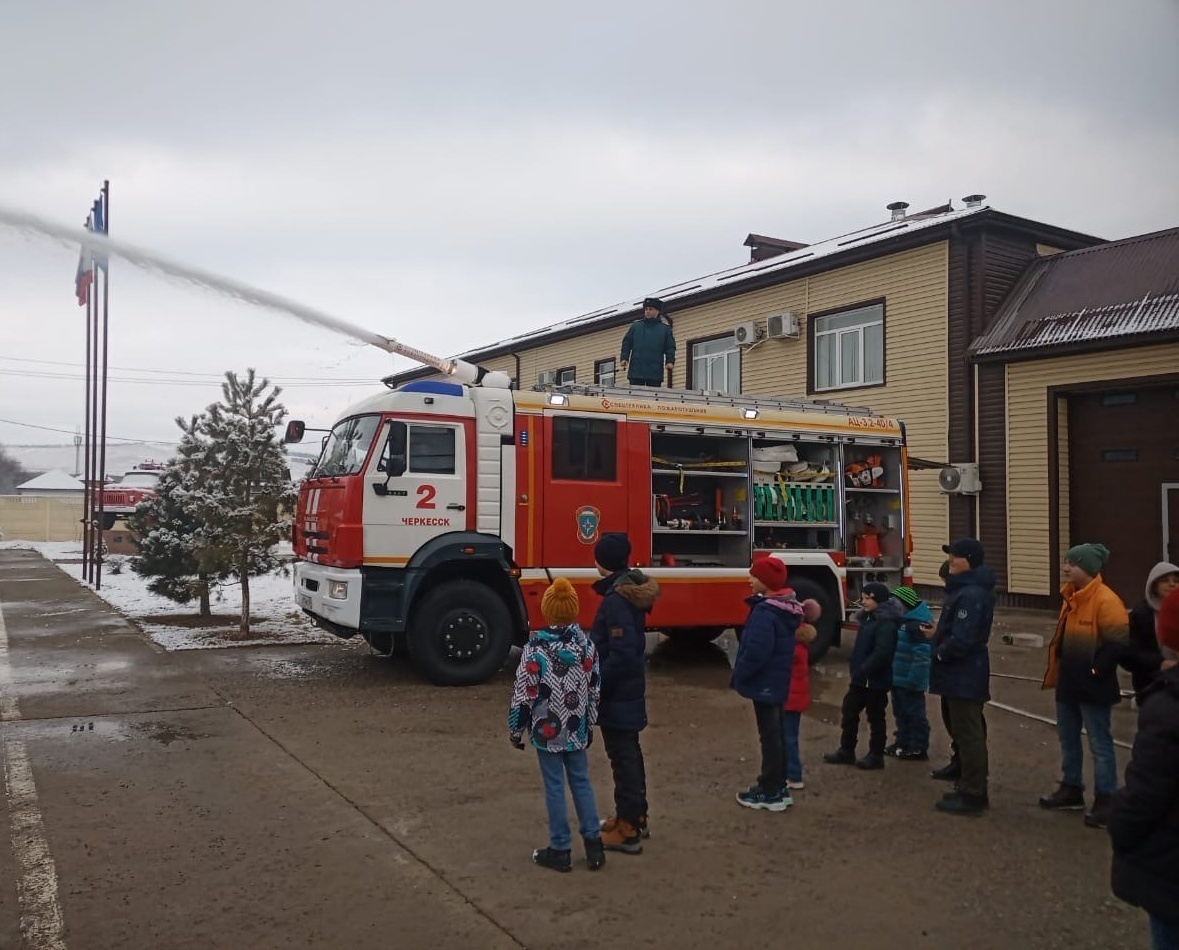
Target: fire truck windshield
[(346, 447), (140, 480)]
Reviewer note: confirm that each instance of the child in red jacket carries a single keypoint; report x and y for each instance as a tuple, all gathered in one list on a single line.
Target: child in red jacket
[(799, 697)]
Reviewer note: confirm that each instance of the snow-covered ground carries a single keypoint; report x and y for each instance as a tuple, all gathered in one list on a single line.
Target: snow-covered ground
[(274, 617)]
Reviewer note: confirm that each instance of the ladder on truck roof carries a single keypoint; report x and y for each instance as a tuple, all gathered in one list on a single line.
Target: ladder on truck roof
[(705, 397)]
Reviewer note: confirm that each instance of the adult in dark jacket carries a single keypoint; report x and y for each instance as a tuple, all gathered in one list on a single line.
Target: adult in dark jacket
[(619, 634), (960, 673), (1143, 657), (869, 678), (648, 348), (761, 673), (1144, 817)]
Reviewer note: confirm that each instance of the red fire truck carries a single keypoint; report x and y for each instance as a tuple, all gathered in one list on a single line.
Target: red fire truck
[(119, 499), (438, 512)]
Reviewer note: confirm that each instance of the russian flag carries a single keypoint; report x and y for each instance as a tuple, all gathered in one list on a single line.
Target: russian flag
[(88, 260), (85, 274)]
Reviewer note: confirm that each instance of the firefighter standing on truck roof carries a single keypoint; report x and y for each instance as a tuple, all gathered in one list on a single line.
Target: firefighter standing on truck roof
[(648, 349)]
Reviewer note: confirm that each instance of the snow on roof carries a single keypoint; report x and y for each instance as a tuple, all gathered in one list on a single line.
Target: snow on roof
[(734, 275), (55, 480)]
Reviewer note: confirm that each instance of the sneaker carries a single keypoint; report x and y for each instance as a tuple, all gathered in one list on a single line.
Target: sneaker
[(1098, 815), (595, 854), (948, 773), (893, 749), (1065, 798), (760, 798), (961, 803), (840, 756), (795, 786), (553, 859), (871, 762), (622, 836), (913, 755)]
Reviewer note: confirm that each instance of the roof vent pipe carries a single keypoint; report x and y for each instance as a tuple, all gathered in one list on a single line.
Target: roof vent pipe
[(974, 201), (898, 210)]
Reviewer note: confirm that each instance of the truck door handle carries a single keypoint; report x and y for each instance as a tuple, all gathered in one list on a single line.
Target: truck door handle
[(453, 506)]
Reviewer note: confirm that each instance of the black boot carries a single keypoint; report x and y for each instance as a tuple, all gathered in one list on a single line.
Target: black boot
[(1065, 798), (1098, 815), (595, 853), (948, 773), (841, 756), (961, 803), (873, 760), (553, 859)]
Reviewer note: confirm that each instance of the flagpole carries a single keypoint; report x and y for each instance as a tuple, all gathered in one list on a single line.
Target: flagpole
[(93, 303), (87, 479), (106, 222)]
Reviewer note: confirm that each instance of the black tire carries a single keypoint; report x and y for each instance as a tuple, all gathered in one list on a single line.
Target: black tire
[(108, 520), (460, 634), (695, 635), (829, 623)]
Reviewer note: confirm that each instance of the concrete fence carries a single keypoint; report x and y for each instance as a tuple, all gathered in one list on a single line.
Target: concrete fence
[(40, 518)]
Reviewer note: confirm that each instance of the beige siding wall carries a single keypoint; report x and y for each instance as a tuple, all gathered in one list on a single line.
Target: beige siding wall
[(40, 518), (914, 285), (1027, 434)]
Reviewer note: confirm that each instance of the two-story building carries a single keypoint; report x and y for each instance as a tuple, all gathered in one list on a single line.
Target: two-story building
[(883, 317)]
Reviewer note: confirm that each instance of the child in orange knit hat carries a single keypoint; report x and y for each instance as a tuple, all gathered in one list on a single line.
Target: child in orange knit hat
[(555, 701)]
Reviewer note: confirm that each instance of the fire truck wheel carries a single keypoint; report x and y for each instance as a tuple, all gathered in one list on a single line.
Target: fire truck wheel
[(829, 624), (460, 634)]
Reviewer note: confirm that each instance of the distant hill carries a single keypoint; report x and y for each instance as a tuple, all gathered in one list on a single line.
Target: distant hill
[(120, 457)]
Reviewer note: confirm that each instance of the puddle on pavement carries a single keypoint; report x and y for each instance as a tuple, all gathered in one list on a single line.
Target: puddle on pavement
[(111, 730)]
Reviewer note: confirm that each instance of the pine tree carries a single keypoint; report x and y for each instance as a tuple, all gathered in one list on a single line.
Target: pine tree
[(246, 484), (169, 526), (11, 473)]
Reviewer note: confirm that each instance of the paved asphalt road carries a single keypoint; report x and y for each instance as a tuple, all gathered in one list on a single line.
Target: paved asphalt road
[(321, 797)]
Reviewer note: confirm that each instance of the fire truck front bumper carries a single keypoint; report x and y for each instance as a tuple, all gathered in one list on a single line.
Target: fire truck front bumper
[(330, 594)]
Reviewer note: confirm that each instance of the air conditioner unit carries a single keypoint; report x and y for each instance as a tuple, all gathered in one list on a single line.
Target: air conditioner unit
[(782, 326), (959, 478), (745, 333), (546, 378)]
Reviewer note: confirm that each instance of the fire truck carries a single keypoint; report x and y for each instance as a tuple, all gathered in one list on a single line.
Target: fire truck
[(440, 510), (119, 500)]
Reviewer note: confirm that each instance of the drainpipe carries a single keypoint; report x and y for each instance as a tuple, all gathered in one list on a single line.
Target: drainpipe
[(516, 378), (972, 369)]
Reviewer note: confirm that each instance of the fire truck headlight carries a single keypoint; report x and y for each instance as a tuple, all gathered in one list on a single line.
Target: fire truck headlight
[(338, 590)]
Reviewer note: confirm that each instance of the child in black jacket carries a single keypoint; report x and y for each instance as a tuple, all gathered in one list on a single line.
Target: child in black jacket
[(620, 634), (870, 678)]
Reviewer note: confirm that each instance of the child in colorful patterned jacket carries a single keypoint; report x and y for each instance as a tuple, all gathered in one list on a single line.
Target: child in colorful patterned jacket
[(555, 700), (910, 677)]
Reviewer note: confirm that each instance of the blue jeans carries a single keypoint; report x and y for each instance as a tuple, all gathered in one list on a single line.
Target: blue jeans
[(908, 708), (1069, 719), (1163, 936), (554, 766), (790, 724)]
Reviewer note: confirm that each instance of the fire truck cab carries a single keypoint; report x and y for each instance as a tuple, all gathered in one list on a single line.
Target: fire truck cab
[(438, 512)]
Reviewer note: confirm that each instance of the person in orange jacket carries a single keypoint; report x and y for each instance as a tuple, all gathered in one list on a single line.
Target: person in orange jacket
[(1083, 657)]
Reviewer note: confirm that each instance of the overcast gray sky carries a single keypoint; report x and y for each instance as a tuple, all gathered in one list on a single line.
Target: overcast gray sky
[(453, 174)]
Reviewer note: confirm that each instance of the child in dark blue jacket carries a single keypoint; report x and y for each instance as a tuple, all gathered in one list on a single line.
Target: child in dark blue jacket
[(870, 676), (761, 673), (619, 633), (910, 677)]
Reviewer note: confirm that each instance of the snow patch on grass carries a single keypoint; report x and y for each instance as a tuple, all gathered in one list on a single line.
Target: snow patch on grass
[(274, 618)]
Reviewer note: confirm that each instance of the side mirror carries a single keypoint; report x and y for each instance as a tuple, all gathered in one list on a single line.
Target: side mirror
[(295, 431)]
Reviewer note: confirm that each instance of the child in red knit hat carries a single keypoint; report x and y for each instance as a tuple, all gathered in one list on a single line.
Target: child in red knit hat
[(761, 673)]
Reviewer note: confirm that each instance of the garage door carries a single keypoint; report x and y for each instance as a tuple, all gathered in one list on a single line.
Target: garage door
[(1123, 450)]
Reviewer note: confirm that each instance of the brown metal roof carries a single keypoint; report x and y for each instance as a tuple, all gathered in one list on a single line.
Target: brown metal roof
[(1116, 293)]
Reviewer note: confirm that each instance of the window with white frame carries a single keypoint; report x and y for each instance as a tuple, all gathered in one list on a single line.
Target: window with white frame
[(716, 364), (849, 348), (566, 375), (605, 372)]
